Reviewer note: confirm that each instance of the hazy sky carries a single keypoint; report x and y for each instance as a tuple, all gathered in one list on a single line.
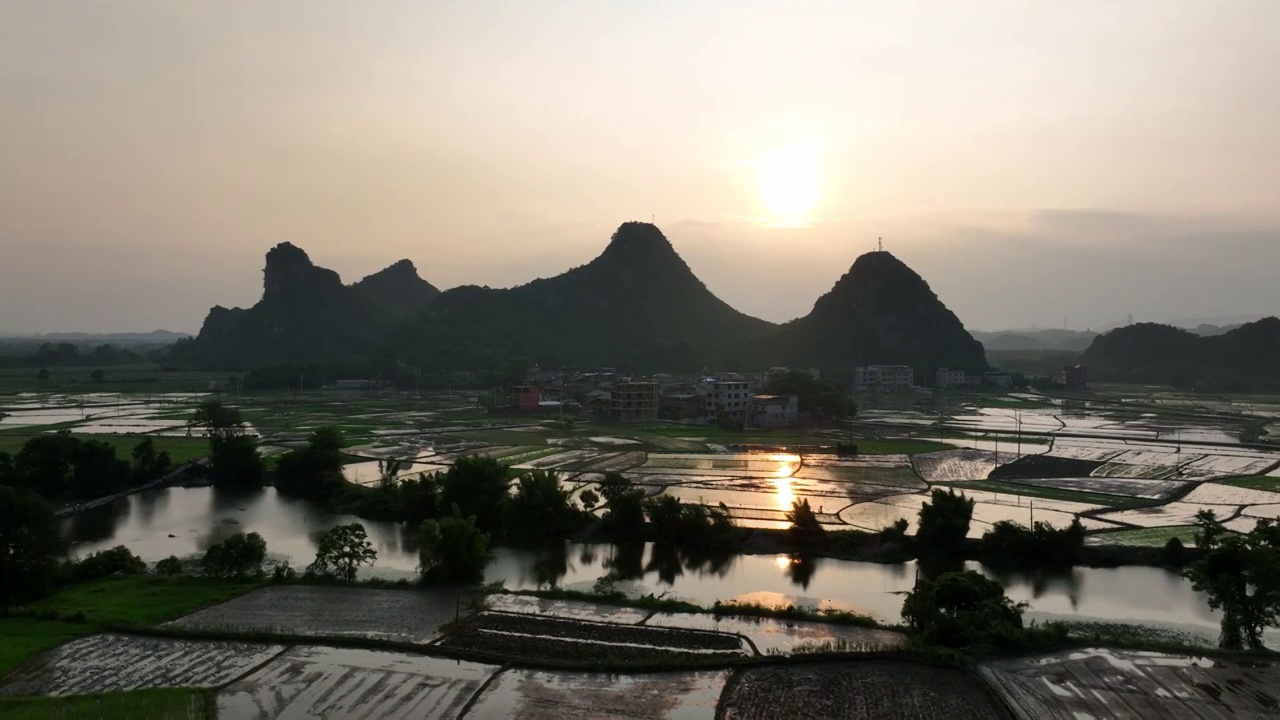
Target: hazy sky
[(1033, 160)]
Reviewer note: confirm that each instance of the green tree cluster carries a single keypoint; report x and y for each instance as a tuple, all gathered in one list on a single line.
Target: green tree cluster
[(1009, 544), (29, 547), (238, 557), (818, 396), (943, 523), (62, 468), (454, 550)]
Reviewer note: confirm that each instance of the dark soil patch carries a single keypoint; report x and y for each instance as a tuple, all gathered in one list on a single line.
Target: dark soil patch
[(864, 690), (1044, 466)]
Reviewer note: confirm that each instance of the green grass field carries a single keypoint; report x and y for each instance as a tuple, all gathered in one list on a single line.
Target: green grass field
[(22, 638), (180, 449), (156, 704), (1151, 537), (1047, 493), (139, 600)]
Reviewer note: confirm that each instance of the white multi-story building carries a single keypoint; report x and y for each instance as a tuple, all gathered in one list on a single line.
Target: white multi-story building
[(731, 397), (885, 378), (774, 410), (951, 378)]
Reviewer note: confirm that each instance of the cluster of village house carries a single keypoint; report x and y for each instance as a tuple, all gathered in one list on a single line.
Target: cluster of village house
[(735, 397)]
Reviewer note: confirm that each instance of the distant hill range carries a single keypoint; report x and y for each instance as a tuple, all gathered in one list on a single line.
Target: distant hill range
[(1066, 340), (306, 315), (636, 306), (1244, 359), (155, 337)]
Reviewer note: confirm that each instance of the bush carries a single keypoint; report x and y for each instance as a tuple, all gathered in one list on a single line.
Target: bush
[(1175, 553), (169, 566), (116, 561), (805, 530)]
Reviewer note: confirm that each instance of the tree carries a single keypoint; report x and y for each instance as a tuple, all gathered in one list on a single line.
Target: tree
[(343, 550), (29, 547), (42, 377), (313, 471), (1241, 576), (147, 463), (944, 523), (624, 503), (962, 609), (1210, 529), (589, 499), (1009, 544), (239, 556), (816, 395), (478, 487), (805, 529), (454, 550), (217, 420), (97, 376), (234, 462), (541, 508)]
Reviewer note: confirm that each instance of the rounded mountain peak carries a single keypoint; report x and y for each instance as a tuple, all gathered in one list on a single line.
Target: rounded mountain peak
[(639, 239)]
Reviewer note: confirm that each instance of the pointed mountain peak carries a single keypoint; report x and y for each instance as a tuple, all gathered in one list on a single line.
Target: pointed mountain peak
[(400, 269)]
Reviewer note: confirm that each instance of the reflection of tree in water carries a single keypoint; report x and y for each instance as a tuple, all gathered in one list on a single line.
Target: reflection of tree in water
[(626, 562), (665, 561), (97, 524), (931, 568), (670, 561), (227, 499), (801, 569), (550, 562), (149, 503), (1067, 581)]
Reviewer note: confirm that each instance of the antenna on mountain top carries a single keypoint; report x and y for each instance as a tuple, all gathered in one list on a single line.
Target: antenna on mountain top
[(880, 243)]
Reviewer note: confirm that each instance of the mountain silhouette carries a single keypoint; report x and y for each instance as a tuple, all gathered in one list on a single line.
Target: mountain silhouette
[(306, 315), (1240, 360), (879, 312), (636, 305)]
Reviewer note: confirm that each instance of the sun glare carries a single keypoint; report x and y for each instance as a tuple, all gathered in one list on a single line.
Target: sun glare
[(790, 180)]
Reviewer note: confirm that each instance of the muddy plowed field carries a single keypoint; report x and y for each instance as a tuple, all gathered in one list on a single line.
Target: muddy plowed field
[(867, 690), (108, 663)]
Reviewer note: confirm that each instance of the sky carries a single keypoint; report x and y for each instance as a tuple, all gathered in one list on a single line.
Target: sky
[(1035, 162)]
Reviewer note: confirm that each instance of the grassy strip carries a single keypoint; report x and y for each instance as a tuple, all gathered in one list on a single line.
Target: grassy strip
[(162, 704), (1270, 484), (22, 638), (1048, 493), (1150, 537)]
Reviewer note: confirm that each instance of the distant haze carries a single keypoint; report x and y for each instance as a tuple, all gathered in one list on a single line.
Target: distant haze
[(1032, 160)]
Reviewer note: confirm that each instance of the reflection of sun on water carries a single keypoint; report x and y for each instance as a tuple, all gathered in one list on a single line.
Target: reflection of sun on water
[(790, 180), (783, 492), (782, 561)]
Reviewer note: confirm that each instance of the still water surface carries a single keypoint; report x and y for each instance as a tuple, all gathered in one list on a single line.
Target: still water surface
[(186, 521)]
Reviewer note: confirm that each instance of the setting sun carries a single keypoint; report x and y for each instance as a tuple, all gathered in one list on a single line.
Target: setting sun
[(790, 179)]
